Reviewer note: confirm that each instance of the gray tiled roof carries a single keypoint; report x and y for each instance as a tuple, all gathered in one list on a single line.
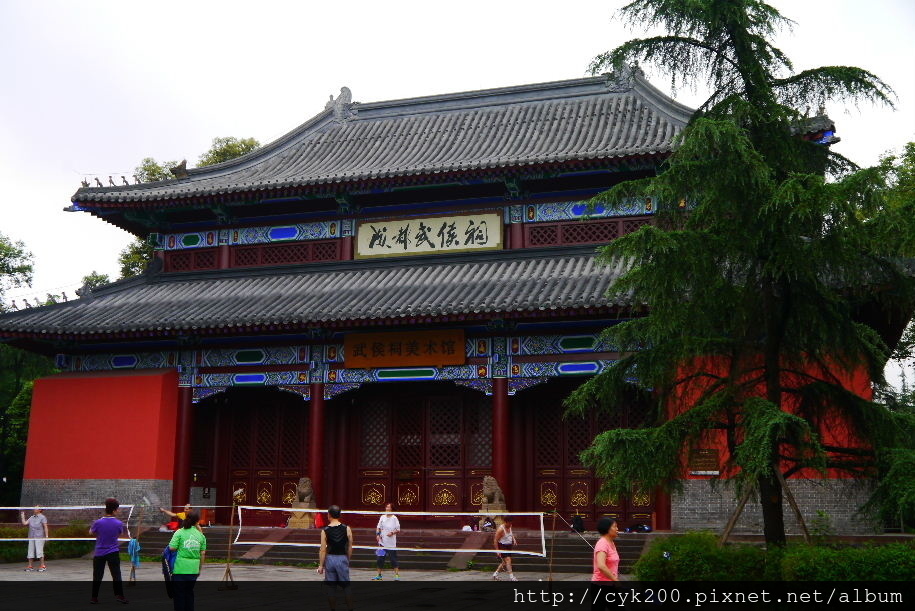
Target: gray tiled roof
[(583, 119), (510, 281)]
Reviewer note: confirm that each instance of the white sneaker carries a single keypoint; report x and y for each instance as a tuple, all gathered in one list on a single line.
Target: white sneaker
[(495, 576), (512, 577)]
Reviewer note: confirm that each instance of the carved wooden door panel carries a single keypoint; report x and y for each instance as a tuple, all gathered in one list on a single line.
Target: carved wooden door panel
[(444, 461), (561, 481), (424, 451), (267, 451), (375, 436)]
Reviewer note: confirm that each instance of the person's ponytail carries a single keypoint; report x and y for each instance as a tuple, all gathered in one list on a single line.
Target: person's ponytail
[(190, 520)]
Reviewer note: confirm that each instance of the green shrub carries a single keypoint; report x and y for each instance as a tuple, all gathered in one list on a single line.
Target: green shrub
[(15, 551), (891, 562), (695, 556)]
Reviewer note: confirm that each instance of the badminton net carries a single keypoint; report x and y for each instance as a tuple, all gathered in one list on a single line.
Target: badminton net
[(420, 531)]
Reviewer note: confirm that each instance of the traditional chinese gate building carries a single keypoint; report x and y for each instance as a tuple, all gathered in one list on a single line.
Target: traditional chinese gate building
[(392, 299)]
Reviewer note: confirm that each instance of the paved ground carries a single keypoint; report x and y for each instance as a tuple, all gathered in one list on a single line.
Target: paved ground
[(80, 569)]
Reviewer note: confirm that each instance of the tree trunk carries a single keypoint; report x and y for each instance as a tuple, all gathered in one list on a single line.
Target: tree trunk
[(770, 499), (770, 489)]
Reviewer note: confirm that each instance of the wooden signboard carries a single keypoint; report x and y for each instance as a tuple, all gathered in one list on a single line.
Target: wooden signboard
[(704, 461), (432, 348), (438, 234)]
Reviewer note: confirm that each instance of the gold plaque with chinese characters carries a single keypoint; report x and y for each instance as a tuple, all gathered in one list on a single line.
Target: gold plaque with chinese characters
[(431, 235)]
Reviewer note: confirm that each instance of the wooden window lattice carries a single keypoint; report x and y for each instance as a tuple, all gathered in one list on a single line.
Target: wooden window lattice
[(578, 437), (205, 259), (630, 226), (590, 232), (266, 437), (375, 438), (285, 253), (543, 235), (409, 438), (326, 251), (241, 442), (478, 432), (548, 450), (445, 432), (178, 261), (293, 434), (579, 232), (243, 256)]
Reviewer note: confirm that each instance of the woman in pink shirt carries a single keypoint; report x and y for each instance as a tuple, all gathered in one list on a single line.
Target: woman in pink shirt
[(606, 559), (606, 562)]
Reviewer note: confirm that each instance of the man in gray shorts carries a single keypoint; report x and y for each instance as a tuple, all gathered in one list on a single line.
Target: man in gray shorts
[(333, 559)]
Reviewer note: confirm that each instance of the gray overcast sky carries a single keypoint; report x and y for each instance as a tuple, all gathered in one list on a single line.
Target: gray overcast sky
[(89, 88)]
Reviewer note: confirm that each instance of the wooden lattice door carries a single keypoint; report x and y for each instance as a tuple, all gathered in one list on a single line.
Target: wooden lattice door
[(267, 451), (423, 451), (561, 481)]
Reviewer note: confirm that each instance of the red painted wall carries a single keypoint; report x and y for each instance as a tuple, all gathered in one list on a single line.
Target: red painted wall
[(111, 425), (833, 429)]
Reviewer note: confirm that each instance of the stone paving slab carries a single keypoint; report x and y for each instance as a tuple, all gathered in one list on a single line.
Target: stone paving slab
[(80, 569)]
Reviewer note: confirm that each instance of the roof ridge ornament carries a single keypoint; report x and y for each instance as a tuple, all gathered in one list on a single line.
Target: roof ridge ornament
[(342, 106), (622, 78)]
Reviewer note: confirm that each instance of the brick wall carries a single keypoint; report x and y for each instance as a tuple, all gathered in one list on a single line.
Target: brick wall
[(55, 492), (704, 504)]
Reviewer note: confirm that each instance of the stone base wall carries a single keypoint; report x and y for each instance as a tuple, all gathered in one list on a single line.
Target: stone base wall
[(57, 492), (708, 505)]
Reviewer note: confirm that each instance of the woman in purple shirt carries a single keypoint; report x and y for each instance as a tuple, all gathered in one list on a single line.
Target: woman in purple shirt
[(107, 529)]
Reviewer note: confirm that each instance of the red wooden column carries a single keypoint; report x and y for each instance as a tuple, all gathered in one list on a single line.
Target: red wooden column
[(346, 248), (516, 235), (501, 441), (316, 441), (181, 482), (225, 256)]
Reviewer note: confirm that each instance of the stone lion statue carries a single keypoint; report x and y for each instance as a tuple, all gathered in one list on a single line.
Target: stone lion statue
[(492, 493), (304, 490)]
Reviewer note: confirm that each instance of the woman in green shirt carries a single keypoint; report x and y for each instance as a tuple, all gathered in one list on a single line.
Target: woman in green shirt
[(191, 546)]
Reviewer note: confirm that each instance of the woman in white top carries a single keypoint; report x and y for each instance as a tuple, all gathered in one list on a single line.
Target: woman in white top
[(386, 535), (504, 540)]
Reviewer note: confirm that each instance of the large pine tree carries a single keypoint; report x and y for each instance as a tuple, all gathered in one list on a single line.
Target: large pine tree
[(767, 260)]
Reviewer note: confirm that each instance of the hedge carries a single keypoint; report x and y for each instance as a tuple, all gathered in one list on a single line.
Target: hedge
[(15, 551), (891, 562), (695, 556)]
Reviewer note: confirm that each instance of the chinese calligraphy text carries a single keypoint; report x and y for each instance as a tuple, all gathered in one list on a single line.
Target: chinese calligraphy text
[(443, 234)]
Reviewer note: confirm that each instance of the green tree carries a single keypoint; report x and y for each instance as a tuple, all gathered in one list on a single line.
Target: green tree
[(151, 170), (18, 370), (93, 280), (900, 172), (134, 258), (137, 255), (754, 271), (15, 266), (224, 149)]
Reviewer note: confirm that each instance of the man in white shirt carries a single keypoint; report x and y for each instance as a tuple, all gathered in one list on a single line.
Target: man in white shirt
[(386, 535)]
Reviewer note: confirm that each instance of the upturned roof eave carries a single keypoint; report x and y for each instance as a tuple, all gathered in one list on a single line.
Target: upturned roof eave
[(337, 185), (241, 175)]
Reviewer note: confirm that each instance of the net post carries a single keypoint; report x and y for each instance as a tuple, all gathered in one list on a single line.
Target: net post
[(552, 541), (228, 582)]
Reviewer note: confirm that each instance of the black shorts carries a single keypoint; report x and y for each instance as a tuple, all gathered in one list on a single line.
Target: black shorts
[(504, 549)]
